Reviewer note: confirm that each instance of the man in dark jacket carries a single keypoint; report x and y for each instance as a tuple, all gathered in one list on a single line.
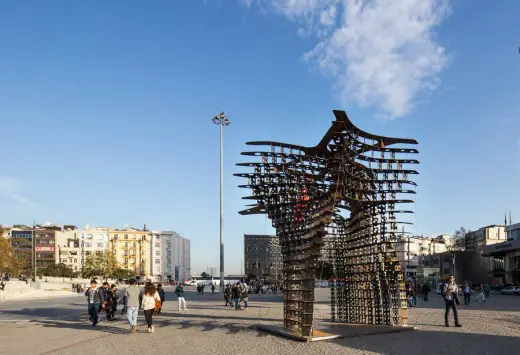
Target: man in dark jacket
[(179, 291), (424, 291), (95, 299), (162, 295)]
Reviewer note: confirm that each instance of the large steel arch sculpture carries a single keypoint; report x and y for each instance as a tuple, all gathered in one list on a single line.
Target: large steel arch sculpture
[(307, 192)]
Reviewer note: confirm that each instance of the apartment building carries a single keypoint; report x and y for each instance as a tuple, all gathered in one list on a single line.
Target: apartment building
[(170, 255), (132, 249)]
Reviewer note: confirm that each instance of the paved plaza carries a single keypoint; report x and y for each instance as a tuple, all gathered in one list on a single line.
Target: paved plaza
[(60, 326)]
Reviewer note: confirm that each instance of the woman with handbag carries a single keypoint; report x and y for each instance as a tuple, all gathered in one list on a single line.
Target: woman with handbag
[(451, 297), (150, 302)]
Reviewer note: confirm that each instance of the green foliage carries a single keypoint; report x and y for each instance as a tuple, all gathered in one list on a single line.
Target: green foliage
[(9, 261), (461, 240), (100, 264), (121, 273), (58, 270), (205, 274)]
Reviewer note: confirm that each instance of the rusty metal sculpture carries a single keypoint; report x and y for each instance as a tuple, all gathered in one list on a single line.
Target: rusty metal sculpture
[(306, 190)]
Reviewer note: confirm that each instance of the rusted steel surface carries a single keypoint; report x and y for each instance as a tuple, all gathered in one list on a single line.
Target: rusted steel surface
[(344, 191)]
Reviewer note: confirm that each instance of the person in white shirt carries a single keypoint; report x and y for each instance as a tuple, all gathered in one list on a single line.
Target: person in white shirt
[(149, 298)]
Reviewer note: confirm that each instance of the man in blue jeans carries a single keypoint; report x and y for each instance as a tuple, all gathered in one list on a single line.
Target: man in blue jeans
[(132, 294), (95, 299)]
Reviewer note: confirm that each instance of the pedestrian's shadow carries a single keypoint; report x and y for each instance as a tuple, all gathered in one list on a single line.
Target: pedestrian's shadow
[(80, 325)]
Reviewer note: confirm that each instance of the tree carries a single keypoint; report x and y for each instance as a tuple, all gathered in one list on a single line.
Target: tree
[(58, 270), (120, 273), (100, 264), (205, 274), (461, 240), (9, 261)]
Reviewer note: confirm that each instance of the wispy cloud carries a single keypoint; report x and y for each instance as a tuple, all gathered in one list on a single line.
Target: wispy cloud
[(11, 188), (382, 53)]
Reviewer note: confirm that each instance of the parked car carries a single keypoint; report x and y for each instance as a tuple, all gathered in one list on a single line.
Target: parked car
[(499, 287), (510, 290)]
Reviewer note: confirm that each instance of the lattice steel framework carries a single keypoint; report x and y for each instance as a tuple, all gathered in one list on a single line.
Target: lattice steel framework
[(306, 191)]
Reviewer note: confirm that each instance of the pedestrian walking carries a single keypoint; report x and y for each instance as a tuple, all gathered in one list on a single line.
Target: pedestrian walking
[(179, 291), (227, 296), (132, 294), (162, 295), (235, 295), (243, 288), (213, 288), (95, 299), (425, 291), (111, 303), (150, 302), (480, 294), (451, 298), (487, 290), (467, 294)]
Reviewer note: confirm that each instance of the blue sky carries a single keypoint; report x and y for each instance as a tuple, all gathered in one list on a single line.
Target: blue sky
[(106, 107)]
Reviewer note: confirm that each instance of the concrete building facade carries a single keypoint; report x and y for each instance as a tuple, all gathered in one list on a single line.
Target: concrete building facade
[(513, 231), (488, 235), (172, 256), (505, 259), (69, 251), (263, 256)]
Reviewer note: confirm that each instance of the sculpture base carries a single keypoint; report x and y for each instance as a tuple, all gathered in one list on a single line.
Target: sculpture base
[(317, 335), (328, 331)]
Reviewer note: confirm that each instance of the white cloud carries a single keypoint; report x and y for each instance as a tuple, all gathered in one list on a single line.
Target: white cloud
[(11, 187), (247, 3), (328, 16), (381, 53)]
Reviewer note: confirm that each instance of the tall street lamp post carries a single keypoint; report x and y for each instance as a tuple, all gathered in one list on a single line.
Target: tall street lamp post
[(221, 120)]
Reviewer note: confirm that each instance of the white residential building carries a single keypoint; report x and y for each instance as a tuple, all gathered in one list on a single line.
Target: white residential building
[(75, 245), (68, 248), (170, 255), (410, 249), (488, 235)]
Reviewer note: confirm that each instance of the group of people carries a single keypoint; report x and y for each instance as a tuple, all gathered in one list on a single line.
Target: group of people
[(481, 292), (150, 300), (235, 294), (412, 290)]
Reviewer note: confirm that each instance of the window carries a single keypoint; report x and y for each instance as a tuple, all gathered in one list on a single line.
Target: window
[(115, 236), (100, 245), (157, 261), (157, 245), (134, 244), (126, 236), (126, 244), (157, 253), (143, 237)]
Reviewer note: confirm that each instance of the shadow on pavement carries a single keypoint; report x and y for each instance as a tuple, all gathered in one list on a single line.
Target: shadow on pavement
[(433, 342)]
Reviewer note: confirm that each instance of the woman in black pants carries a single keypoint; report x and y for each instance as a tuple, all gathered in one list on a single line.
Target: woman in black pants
[(150, 297)]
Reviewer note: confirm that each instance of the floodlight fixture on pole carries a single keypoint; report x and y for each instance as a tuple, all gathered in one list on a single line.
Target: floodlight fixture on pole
[(221, 120)]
